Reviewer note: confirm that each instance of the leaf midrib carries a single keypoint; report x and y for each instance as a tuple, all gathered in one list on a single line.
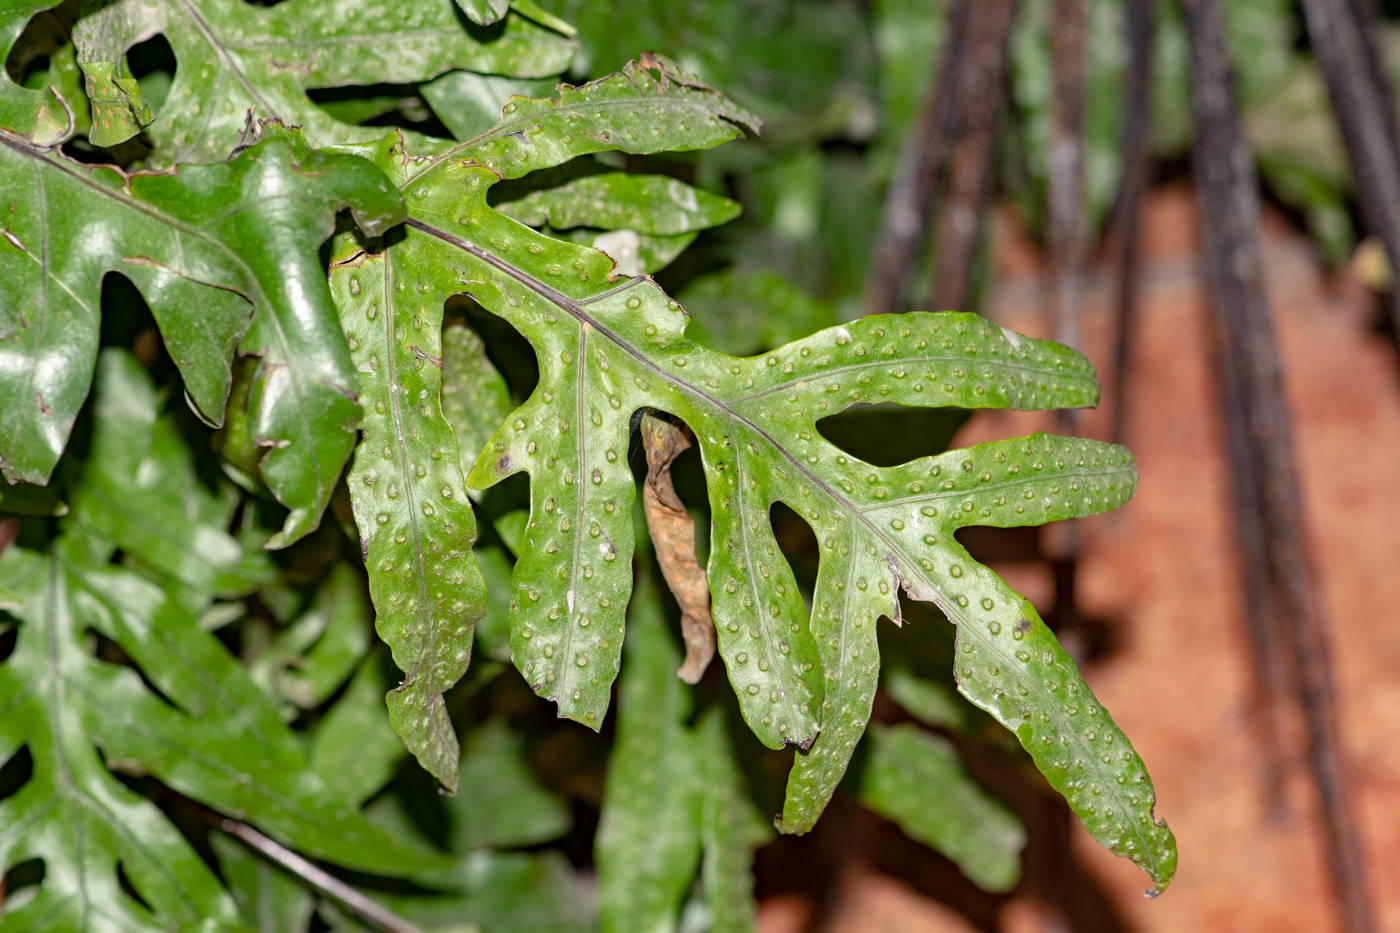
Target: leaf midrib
[(947, 606), (401, 456), (221, 51)]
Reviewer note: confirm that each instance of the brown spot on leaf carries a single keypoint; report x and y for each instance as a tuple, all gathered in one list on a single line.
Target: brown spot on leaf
[(673, 535), (1023, 626)]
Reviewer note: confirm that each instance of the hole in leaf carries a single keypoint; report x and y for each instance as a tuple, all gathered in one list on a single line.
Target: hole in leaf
[(9, 637), (43, 39), (128, 888), (888, 435), (22, 883), (1001, 545), (127, 321), (16, 772), (152, 63), (1017, 556), (397, 105), (108, 651), (514, 189), (506, 348), (1021, 557), (34, 74), (798, 543)]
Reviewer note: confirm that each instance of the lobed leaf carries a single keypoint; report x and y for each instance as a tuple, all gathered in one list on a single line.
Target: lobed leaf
[(416, 523), (213, 249), (731, 829), (474, 396), (136, 490), (469, 104), (490, 892), (72, 813), (311, 658), (224, 744), (239, 62), (506, 808), (610, 346), (40, 117), (354, 748), (634, 253), (269, 899)]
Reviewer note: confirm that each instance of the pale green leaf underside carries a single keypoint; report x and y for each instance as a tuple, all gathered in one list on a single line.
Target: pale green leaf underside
[(609, 346)]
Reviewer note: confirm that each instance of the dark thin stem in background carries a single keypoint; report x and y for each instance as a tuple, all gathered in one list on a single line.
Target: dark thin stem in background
[(324, 882), (981, 92), (1136, 146), (909, 201), (1351, 64), (1066, 233), (1268, 497)]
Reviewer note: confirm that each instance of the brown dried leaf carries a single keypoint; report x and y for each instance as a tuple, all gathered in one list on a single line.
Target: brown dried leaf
[(673, 535)]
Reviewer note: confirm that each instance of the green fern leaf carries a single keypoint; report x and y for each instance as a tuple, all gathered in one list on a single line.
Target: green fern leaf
[(611, 346), (218, 266), (239, 62), (648, 844), (210, 733), (917, 779), (73, 813)]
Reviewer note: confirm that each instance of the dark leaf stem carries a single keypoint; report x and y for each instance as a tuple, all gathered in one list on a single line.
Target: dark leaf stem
[(1344, 44), (1136, 147), (980, 96), (319, 879), (1066, 187), (910, 199), (1268, 498)]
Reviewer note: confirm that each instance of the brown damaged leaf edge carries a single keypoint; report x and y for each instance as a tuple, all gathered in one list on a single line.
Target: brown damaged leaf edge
[(673, 536)]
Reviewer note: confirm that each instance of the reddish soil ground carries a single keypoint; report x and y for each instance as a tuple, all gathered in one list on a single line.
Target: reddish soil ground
[(1163, 568)]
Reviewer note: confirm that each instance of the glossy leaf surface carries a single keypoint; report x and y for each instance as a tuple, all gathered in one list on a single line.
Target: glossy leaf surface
[(651, 204), (240, 59), (72, 812), (213, 249), (416, 523), (609, 346), (223, 745)]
